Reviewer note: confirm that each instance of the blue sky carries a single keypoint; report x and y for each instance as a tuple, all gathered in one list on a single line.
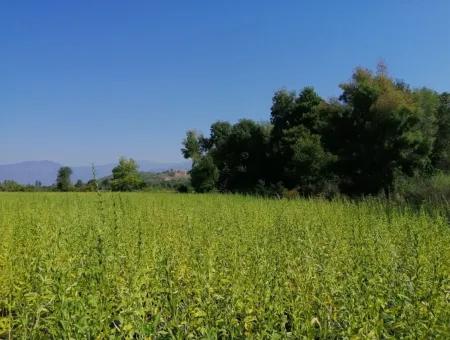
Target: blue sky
[(88, 81)]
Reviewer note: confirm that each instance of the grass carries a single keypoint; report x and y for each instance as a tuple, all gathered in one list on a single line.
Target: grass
[(145, 265)]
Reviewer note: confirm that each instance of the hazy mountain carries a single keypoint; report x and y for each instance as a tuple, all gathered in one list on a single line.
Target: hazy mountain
[(29, 172), (45, 171)]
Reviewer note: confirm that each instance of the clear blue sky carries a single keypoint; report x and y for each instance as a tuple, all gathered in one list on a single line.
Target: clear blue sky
[(88, 81)]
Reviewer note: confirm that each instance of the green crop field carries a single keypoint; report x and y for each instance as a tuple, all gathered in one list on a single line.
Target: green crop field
[(146, 265)]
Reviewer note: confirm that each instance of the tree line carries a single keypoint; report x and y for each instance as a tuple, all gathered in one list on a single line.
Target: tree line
[(377, 131), (125, 177)]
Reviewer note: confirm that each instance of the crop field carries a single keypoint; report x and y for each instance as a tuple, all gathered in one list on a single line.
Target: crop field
[(161, 265)]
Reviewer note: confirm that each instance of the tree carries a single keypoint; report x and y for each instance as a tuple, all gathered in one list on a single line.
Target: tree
[(242, 156), (300, 159), (192, 146), (126, 176), (9, 185), (307, 168), (381, 131), (233, 156), (91, 185), (105, 184), (63, 179), (204, 174), (441, 150), (289, 110), (79, 184), (215, 145)]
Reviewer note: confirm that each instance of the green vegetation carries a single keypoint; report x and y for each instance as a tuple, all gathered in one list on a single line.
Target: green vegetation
[(63, 182), (169, 180), (432, 192), (127, 179), (125, 176), (137, 265), (166, 180), (377, 132)]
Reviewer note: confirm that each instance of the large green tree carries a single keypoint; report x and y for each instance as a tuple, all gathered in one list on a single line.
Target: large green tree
[(234, 156), (63, 182), (380, 132), (441, 150), (242, 157), (125, 176), (204, 174), (299, 157)]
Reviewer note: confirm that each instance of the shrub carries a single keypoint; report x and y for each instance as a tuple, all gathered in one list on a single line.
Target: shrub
[(433, 190)]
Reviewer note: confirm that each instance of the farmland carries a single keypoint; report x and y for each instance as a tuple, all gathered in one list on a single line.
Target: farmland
[(88, 265)]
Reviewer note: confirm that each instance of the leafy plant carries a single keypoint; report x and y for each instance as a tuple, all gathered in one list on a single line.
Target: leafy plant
[(140, 265)]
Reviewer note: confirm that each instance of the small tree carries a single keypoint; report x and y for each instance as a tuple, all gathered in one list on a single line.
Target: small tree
[(91, 185), (9, 185), (79, 185), (126, 176), (63, 179)]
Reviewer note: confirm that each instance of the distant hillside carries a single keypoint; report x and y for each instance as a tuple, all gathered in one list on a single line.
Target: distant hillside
[(164, 179), (45, 171), (167, 178)]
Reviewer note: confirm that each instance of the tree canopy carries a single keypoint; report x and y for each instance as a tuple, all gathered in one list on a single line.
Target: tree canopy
[(63, 182), (125, 176), (379, 129)]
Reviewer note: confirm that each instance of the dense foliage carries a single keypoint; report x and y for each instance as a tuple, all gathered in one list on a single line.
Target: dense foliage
[(125, 176), (379, 130), (63, 182), (114, 265)]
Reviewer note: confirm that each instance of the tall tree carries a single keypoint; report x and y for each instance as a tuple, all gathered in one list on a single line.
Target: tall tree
[(242, 155), (63, 182), (126, 176), (300, 160), (204, 174), (192, 146), (234, 156), (384, 133), (307, 165), (441, 150)]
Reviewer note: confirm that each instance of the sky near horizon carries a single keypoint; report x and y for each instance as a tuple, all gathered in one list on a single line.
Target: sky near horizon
[(89, 81)]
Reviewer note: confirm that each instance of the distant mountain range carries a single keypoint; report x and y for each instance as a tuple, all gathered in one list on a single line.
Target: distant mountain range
[(45, 171)]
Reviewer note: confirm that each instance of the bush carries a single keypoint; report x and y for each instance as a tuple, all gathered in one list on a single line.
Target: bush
[(184, 188), (269, 190), (434, 190)]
